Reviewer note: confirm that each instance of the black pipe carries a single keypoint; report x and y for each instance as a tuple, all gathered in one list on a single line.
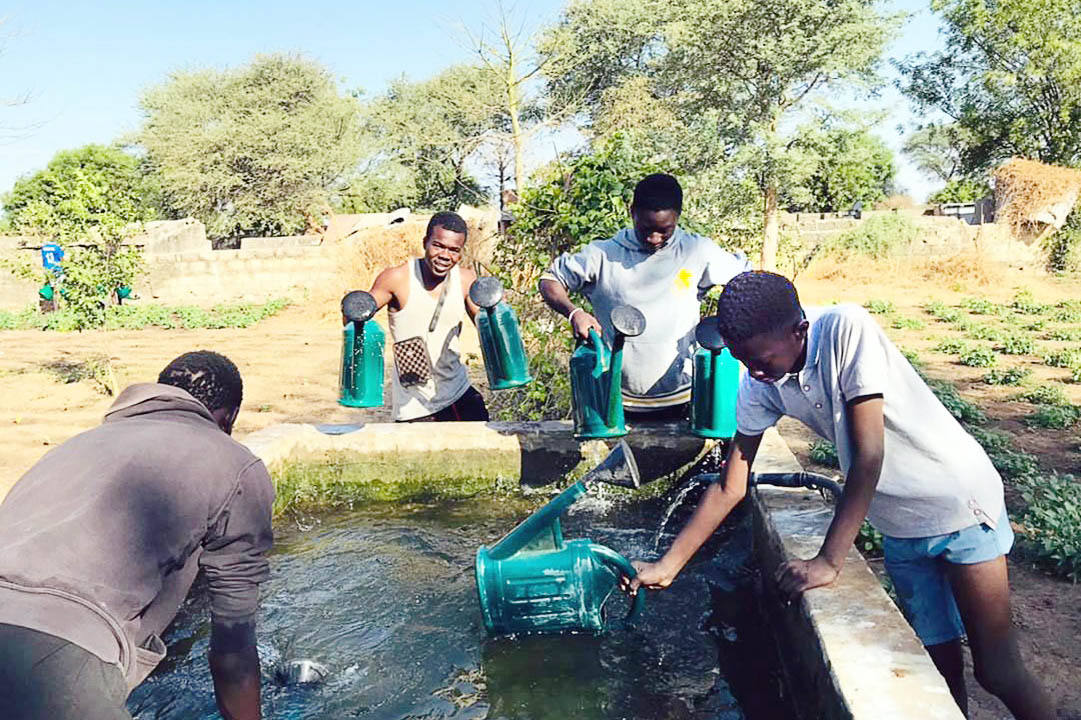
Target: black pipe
[(811, 481)]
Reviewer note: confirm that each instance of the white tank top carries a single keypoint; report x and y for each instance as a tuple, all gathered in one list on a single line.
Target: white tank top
[(448, 379)]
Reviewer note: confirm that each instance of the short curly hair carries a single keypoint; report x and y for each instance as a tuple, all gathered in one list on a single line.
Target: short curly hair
[(659, 191), (756, 302), (451, 221), (210, 378)]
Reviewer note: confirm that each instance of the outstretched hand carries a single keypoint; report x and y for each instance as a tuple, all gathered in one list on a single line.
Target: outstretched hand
[(652, 576), (796, 576)]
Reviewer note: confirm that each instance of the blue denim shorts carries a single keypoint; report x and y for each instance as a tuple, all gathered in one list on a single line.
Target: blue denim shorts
[(917, 569)]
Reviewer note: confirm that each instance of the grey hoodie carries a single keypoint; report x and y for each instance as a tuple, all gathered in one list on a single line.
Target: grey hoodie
[(667, 285), (102, 538)]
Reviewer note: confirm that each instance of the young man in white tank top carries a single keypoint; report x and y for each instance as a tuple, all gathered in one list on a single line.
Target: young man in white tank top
[(426, 299)]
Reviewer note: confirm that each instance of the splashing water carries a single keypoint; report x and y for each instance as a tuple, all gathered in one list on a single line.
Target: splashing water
[(691, 484)]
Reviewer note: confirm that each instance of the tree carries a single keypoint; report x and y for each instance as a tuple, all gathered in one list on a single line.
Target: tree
[(738, 70), (256, 150), (936, 150), (425, 134), (91, 199), (854, 165), (1009, 77)]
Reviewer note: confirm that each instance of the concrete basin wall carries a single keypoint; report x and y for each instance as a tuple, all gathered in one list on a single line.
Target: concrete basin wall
[(847, 650)]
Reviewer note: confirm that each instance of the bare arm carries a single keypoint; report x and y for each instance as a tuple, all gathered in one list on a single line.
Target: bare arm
[(866, 430), (234, 666), (556, 297), (387, 287), (714, 506)]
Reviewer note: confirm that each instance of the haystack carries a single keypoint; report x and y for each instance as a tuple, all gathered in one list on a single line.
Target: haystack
[(1035, 199)]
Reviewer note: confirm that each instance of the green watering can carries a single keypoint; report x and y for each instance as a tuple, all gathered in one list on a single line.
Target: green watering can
[(361, 379), (714, 384), (534, 581), (505, 360), (597, 377)]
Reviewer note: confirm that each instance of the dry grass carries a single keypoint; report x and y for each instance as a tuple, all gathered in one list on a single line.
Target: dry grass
[(969, 268), (1024, 188), (896, 202)]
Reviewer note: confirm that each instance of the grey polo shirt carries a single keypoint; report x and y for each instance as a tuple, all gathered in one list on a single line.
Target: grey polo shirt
[(935, 479)]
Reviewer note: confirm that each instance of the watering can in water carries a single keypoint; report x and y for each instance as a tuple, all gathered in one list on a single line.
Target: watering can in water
[(505, 360), (597, 378), (535, 581), (361, 377), (714, 385)]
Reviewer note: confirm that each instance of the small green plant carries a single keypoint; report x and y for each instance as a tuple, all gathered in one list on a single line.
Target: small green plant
[(979, 356), (869, 541), (1054, 417), (1051, 522), (1044, 395), (98, 369), (1035, 325), (907, 323), (879, 307), (1063, 334), (1065, 358), (823, 452), (952, 346), (1067, 311), (942, 312), (985, 332), (913, 359), (1016, 345), (1075, 374), (1025, 303), (1011, 376), (963, 410), (139, 317), (1004, 455), (979, 306)]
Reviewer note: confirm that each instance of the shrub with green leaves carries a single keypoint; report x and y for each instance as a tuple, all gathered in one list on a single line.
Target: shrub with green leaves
[(1051, 522), (879, 307), (951, 346), (135, 316), (1067, 311), (979, 356), (1063, 334), (1016, 345), (1004, 455), (985, 332), (1054, 417), (1044, 395), (878, 236), (907, 323), (1064, 358), (869, 541), (1010, 376), (1024, 302), (823, 452), (963, 410), (979, 306)]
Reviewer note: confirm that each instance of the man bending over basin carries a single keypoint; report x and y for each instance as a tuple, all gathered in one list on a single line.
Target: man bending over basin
[(101, 540), (910, 468), (427, 298)]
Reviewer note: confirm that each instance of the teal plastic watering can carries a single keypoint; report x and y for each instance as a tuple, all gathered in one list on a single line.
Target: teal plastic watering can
[(714, 385), (535, 581), (505, 360), (361, 379), (597, 378)]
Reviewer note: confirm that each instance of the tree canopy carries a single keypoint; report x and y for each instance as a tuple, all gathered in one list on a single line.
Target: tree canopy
[(255, 150)]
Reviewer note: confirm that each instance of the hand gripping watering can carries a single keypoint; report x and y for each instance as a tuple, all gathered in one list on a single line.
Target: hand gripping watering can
[(534, 581), (361, 378), (597, 377), (714, 384), (505, 360)]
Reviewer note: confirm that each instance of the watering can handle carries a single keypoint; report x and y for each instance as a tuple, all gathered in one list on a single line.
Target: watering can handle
[(598, 348), (623, 567)]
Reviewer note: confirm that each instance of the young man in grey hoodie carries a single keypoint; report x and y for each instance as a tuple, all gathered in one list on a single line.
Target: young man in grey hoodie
[(662, 270), (101, 540)]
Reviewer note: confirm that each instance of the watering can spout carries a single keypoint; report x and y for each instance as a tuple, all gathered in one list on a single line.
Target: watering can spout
[(618, 468)]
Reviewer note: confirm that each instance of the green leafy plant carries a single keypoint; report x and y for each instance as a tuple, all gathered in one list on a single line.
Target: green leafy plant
[(138, 317), (942, 312), (985, 332), (963, 410), (979, 306), (1004, 455), (879, 307), (876, 237), (907, 323), (869, 541), (913, 359), (1067, 311), (1064, 334), (1064, 358), (1010, 376), (1054, 417), (1045, 395), (979, 356), (1051, 522), (1016, 345), (1024, 302), (952, 346), (824, 453)]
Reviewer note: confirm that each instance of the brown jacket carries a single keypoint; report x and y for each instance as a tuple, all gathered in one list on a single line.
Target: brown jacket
[(101, 540)]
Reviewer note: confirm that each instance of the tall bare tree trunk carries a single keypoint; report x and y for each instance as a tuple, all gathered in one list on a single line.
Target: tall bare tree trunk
[(770, 230)]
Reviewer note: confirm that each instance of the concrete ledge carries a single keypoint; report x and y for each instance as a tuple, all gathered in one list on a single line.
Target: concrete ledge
[(848, 651)]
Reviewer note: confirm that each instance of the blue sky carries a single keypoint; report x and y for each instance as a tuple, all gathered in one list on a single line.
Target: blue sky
[(84, 64)]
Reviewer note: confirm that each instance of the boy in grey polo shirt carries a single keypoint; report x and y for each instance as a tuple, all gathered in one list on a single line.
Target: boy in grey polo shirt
[(910, 468)]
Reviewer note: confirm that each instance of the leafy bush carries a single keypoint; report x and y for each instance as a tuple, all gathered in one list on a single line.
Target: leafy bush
[(942, 312), (138, 317), (952, 346), (960, 408), (1065, 358), (1068, 311), (1025, 303), (1064, 334), (1054, 417), (1063, 248), (1016, 345), (1045, 395), (1035, 325), (979, 356), (869, 541), (877, 237), (879, 307), (823, 452), (1051, 523), (979, 306), (907, 323), (1011, 376), (985, 332)]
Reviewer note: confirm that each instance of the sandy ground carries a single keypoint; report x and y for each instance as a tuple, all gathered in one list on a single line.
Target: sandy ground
[(290, 367)]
